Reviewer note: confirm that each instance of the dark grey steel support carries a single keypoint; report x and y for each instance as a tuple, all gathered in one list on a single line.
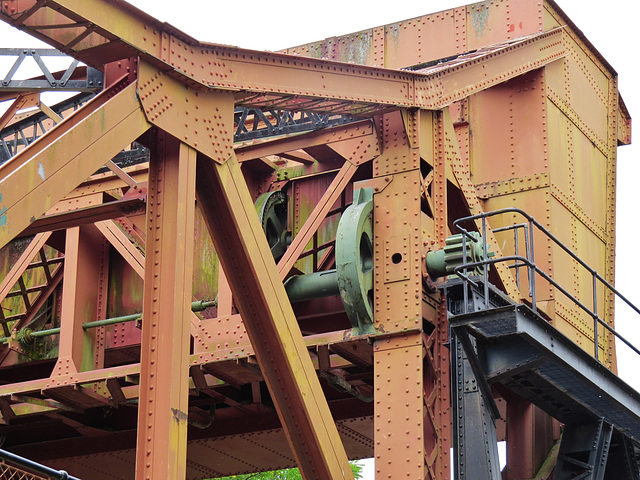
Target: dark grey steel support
[(475, 447), (584, 451), (623, 459), (253, 123), (90, 81)]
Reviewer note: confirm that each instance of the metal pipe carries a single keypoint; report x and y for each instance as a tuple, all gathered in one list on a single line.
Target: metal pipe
[(35, 467), (595, 317), (534, 300), (465, 283), (27, 334), (485, 270), (312, 285)]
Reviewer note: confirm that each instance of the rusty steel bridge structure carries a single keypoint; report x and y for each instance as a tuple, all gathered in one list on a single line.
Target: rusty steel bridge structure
[(397, 243)]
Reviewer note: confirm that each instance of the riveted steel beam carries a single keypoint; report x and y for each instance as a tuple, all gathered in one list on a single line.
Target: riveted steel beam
[(85, 251), (269, 319), (129, 205), (18, 133), (164, 375), (327, 136), (399, 407), (21, 101), (100, 31), (38, 177)]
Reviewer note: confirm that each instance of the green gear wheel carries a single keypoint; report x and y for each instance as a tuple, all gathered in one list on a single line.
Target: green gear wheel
[(272, 211), (354, 261)]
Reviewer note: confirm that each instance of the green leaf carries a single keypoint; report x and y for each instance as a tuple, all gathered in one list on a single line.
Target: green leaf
[(287, 474)]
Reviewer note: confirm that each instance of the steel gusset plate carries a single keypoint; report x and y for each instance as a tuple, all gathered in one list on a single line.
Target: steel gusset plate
[(354, 261)]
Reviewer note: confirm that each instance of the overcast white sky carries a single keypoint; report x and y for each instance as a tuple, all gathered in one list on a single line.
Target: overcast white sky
[(611, 26)]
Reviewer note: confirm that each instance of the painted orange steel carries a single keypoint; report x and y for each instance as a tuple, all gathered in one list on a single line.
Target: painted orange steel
[(526, 114), (80, 300), (163, 404), (83, 143), (269, 320)]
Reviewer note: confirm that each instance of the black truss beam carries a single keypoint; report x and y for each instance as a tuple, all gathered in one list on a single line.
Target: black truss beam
[(74, 78), (250, 124), (29, 129), (254, 123)]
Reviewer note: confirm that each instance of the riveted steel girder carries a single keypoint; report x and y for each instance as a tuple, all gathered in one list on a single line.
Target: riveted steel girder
[(164, 392), (108, 31), (39, 176), (269, 319)]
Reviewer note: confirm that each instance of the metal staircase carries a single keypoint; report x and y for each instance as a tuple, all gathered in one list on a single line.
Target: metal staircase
[(496, 341)]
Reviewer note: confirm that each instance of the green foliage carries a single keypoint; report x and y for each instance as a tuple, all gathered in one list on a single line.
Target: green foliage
[(288, 474)]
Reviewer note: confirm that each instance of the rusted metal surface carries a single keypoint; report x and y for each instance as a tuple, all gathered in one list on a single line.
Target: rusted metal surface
[(526, 114), (53, 176), (163, 403)]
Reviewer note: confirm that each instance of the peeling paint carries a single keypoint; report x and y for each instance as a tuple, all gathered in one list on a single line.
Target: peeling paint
[(480, 15), (357, 48), (41, 170), (179, 415), (4, 221)]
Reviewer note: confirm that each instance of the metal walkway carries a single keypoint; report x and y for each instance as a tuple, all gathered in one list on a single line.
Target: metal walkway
[(496, 341), (514, 346)]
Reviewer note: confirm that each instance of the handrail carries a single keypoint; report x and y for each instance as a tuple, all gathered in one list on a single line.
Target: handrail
[(35, 467), (529, 262)]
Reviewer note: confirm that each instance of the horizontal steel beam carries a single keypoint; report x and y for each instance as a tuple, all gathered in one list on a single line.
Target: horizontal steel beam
[(108, 31), (74, 78), (129, 205)]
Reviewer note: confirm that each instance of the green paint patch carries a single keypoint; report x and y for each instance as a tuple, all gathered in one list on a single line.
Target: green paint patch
[(480, 15), (357, 49), (4, 220)]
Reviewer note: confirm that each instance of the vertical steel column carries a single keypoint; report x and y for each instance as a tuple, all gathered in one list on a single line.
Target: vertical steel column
[(440, 179), (102, 285), (401, 421), (164, 377), (437, 378), (79, 300), (529, 438), (271, 325), (399, 408), (437, 398), (474, 428)]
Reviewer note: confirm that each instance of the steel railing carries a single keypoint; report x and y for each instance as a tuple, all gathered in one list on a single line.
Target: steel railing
[(15, 466), (528, 261)]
